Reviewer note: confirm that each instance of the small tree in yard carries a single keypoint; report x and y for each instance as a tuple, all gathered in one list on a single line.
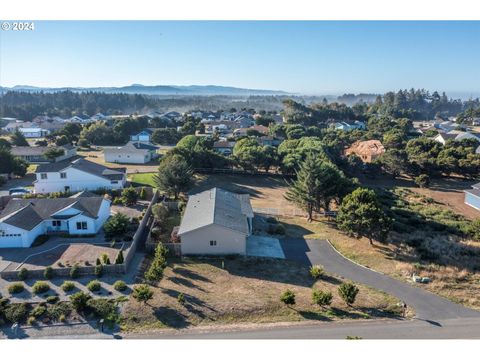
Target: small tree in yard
[(422, 181), (129, 196), (142, 293), (322, 298), (99, 270), (79, 300), (288, 297), (143, 194), (316, 271), (155, 271), (160, 213), (348, 292), (54, 153), (116, 225), (174, 176), (181, 298), (119, 259), (361, 214)]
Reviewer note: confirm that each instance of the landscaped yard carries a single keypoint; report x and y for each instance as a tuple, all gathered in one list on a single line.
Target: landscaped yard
[(246, 290), (142, 179)]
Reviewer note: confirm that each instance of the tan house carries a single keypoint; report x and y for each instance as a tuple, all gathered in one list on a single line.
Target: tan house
[(367, 151)]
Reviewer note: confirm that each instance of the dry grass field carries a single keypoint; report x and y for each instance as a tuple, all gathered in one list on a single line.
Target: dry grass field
[(246, 291)]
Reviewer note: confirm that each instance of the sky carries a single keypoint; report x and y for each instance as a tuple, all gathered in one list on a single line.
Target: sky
[(320, 57)]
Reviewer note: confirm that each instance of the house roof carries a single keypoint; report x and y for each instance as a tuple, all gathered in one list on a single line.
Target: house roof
[(223, 144), (369, 147), (28, 213), (474, 192), (35, 150), (217, 206), (83, 165), (133, 146)]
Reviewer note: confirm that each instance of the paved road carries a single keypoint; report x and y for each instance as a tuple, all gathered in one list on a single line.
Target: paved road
[(428, 306)]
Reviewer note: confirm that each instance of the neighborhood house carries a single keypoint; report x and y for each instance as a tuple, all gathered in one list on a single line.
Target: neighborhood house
[(77, 175), (367, 151), (216, 222), (143, 136), (23, 220), (36, 154), (472, 196), (131, 153)]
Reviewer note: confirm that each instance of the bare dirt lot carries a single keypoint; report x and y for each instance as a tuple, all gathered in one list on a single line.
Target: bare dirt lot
[(246, 290)]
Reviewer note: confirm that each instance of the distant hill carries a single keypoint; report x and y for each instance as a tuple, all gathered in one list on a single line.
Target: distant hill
[(155, 90)]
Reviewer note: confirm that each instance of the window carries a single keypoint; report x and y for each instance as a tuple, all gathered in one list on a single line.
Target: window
[(114, 181), (213, 243), (56, 223), (63, 175), (43, 176), (82, 225)]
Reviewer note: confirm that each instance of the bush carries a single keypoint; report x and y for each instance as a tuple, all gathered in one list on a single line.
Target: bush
[(74, 271), (348, 292), (129, 196), (52, 299), (23, 274), (316, 271), (103, 308), (68, 286), (38, 311), (94, 285), (288, 297), (119, 259), (118, 201), (59, 311), (116, 225), (280, 229), (422, 181), (143, 194), (79, 300), (99, 270), (40, 287), (160, 212), (322, 298), (271, 220), (181, 298), (16, 313), (120, 285), (155, 271), (16, 288), (142, 293), (48, 273)]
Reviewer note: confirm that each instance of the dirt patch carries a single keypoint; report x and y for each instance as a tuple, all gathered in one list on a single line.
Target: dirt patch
[(245, 291)]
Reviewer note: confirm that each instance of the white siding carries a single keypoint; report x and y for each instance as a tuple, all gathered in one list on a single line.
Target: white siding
[(116, 156), (472, 200), (72, 225), (77, 181), (197, 242), (103, 215), (25, 239)]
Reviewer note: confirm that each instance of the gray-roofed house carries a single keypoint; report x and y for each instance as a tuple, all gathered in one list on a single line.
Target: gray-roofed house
[(144, 136), (216, 222), (131, 153), (23, 220), (36, 154), (472, 196), (77, 175)]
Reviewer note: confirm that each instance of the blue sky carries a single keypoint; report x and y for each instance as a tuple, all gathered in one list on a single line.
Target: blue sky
[(306, 57)]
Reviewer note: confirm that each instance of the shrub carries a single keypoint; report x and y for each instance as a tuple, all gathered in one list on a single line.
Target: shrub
[(129, 196), (155, 271), (59, 311), (160, 212), (16, 313), (103, 308), (23, 274), (181, 298), (348, 292), (143, 194), (48, 273), (321, 298), (98, 262), (16, 288), (68, 286), (271, 220), (120, 285), (74, 271), (288, 297), (94, 285), (280, 229), (40, 287), (116, 225), (118, 201), (99, 270), (142, 293), (52, 299), (422, 181), (79, 300), (38, 311), (119, 259), (316, 271)]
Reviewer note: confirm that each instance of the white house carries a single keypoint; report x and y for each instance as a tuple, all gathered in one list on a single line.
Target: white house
[(472, 196), (36, 154), (216, 222), (77, 175), (33, 132), (143, 136), (348, 126), (23, 220), (456, 135), (131, 153)]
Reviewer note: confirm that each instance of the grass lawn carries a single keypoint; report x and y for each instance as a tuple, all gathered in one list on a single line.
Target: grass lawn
[(246, 291), (396, 259), (143, 179)]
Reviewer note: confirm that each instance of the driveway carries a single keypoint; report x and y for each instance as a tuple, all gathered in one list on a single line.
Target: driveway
[(428, 306), (264, 246), (25, 181)]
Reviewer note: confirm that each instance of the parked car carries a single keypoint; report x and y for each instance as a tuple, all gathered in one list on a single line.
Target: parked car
[(18, 191)]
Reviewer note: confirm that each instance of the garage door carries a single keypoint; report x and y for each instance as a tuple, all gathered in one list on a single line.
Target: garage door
[(11, 241)]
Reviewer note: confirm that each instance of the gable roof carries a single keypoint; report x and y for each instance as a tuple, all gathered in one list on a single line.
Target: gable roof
[(85, 166), (36, 150), (217, 206), (28, 213), (369, 147)]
